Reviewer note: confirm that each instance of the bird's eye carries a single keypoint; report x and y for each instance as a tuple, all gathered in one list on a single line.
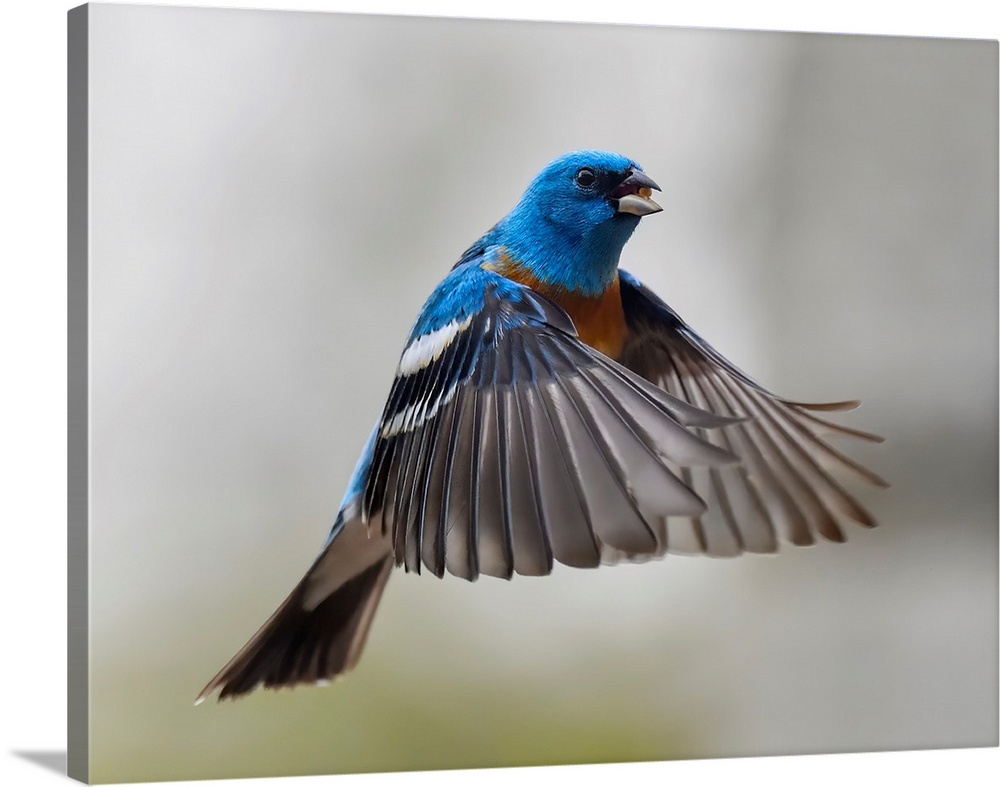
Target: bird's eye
[(586, 178)]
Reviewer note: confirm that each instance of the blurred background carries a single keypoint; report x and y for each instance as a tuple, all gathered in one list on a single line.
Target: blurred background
[(273, 194)]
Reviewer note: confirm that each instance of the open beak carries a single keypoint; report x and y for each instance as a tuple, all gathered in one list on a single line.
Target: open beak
[(633, 195)]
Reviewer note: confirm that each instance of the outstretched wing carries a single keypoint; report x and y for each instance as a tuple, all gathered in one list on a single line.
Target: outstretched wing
[(507, 444), (783, 488)]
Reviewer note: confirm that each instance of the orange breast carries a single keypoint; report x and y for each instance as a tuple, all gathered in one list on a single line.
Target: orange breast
[(599, 320)]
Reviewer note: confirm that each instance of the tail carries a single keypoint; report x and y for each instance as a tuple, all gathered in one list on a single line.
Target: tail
[(318, 632)]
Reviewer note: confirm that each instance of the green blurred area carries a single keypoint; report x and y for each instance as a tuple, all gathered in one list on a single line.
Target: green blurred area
[(273, 194), (375, 722)]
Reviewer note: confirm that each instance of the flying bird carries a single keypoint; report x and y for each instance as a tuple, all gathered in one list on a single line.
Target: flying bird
[(549, 408)]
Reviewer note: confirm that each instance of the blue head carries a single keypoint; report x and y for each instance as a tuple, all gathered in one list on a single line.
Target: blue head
[(572, 222)]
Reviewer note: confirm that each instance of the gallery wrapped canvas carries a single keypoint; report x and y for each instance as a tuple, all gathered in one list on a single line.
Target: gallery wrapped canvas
[(664, 539)]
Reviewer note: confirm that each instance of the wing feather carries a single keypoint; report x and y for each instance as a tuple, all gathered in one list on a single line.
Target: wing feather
[(784, 484), (529, 531)]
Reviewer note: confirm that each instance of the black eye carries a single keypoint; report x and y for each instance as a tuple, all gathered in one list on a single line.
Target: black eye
[(586, 178)]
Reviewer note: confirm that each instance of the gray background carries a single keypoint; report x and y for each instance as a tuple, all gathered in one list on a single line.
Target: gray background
[(273, 194)]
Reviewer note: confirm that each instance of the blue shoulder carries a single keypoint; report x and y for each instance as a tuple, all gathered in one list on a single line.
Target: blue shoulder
[(462, 293)]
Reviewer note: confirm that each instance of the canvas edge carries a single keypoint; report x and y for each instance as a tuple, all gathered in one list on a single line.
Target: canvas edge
[(77, 471)]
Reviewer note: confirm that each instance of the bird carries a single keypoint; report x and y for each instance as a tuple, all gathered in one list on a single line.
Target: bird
[(548, 407)]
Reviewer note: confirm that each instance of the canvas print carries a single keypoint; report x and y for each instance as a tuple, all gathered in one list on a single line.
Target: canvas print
[(460, 394)]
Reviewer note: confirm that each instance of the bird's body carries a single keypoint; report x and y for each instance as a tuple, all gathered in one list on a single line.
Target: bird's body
[(547, 407)]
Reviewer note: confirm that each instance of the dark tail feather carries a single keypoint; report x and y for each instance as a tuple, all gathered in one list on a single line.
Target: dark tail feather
[(299, 645)]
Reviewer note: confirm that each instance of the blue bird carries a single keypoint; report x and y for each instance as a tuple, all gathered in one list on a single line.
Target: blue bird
[(549, 408)]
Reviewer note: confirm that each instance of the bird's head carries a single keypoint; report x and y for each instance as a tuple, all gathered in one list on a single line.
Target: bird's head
[(575, 216)]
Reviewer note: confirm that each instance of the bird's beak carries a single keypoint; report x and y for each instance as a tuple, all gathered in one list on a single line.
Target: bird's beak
[(633, 195)]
